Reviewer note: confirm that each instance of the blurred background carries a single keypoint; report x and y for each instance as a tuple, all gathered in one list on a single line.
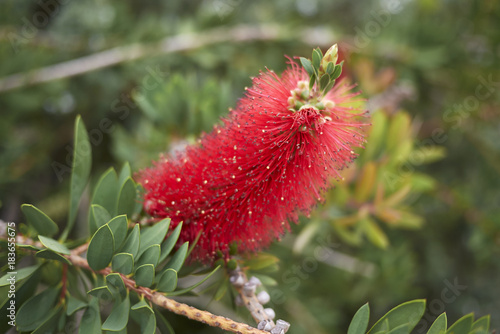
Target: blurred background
[(418, 216)]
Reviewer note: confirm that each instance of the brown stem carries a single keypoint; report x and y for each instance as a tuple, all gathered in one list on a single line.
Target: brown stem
[(158, 298)]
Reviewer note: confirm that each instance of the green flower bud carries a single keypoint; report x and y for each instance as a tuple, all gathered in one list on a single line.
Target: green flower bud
[(331, 56)]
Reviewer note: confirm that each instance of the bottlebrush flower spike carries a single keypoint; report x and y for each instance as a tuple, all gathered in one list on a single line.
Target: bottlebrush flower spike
[(270, 161)]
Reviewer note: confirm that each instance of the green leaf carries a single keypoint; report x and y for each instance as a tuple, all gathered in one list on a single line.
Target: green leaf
[(330, 68), (163, 325), (312, 81), (221, 290), (359, 322), (323, 82), (193, 244), (50, 323), (144, 275), (106, 191), (317, 55), (98, 216), (115, 281), (439, 325), (403, 329), (126, 198), (118, 318), (462, 325), (123, 263), (144, 316), (36, 309), (39, 220), (154, 234), (54, 245), (29, 247), (408, 313), (398, 131), (374, 233), (139, 189), (150, 256), (51, 255), (183, 291), (101, 292), (167, 281), (82, 160), (481, 325), (376, 136), (101, 248), (91, 320), (261, 261), (337, 71), (306, 63), (125, 173), (132, 242), (118, 226), (169, 243), (20, 275), (329, 86), (73, 305), (179, 257)]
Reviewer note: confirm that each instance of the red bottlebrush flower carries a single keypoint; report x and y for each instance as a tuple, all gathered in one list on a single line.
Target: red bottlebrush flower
[(270, 161)]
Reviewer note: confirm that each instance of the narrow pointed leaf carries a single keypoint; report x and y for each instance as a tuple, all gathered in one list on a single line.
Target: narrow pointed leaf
[(169, 243), (221, 290), (462, 325), (154, 234), (39, 220), (51, 255), (359, 322), (439, 325), (183, 291), (54, 245), (193, 244), (481, 325), (179, 257), (163, 325), (101, 248), (123, 263), (82, 160)]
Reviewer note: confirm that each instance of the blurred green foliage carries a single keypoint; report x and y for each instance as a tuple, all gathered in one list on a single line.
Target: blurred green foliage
[(419, 211)]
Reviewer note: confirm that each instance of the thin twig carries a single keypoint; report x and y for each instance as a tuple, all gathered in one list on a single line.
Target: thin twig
[(157, 297), (182, 42), (178, 43)]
